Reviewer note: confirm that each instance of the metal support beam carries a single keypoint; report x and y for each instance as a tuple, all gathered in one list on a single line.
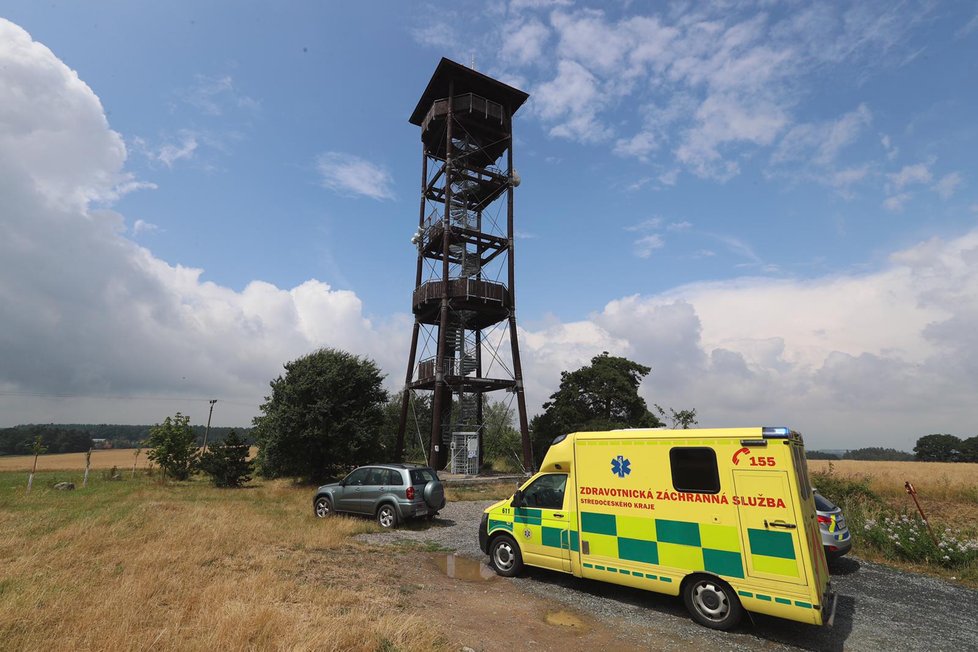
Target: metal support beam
[(513, 339), (436, 454)]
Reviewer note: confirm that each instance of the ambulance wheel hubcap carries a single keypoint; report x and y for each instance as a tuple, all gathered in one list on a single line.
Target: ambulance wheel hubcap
[(503, 557), (710, 601)]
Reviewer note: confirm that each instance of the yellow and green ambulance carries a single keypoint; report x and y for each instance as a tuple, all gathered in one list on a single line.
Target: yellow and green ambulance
[(723, 517)]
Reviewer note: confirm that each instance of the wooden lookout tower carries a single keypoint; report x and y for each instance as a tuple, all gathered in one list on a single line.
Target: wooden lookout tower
[(464, 300)]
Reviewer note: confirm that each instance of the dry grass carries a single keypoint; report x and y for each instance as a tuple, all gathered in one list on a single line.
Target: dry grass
[(136, 565), (482, 491), (101, 459)]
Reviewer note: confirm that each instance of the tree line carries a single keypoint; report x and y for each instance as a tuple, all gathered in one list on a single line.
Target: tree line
[(873, 453), (77, 438), (929, 448)]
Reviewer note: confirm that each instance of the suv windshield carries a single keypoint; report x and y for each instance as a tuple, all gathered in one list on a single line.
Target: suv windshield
[(422, 476)]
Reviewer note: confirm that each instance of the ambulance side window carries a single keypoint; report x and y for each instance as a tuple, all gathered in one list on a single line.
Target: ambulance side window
[(547, 492), (801, 469), (694, 470)]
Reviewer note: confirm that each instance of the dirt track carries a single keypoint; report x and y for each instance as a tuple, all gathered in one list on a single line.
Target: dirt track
[(879, 608)]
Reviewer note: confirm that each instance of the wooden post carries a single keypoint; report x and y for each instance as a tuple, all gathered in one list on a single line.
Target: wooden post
[(913, 494)]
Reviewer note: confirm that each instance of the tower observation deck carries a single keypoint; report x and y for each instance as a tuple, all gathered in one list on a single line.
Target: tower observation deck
[(464, 341)]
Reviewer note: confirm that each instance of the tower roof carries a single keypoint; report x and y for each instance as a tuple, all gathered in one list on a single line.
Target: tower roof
[(466, 80)]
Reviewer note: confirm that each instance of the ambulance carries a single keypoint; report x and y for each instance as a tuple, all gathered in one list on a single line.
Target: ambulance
[(724, 518)]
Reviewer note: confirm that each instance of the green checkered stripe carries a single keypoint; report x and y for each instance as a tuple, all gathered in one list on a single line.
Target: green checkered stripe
[(623, 571), (532, 519), (785, 601), (687, 545), (677, 544), (773, 552)]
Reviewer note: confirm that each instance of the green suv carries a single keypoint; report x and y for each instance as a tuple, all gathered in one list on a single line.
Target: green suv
[(392, 493)]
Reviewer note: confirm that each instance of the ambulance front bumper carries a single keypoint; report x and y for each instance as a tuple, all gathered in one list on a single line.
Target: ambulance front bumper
[(484, 534)]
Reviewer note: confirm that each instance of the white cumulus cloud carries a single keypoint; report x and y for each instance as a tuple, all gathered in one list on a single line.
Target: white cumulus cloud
[(850, 360), (353, 176), (88, 313)]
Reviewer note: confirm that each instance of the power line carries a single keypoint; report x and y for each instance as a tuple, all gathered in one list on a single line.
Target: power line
[(123, 398)]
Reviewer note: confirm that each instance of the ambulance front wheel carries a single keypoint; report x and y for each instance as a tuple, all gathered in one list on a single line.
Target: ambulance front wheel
[(711, 602), (505, 557)]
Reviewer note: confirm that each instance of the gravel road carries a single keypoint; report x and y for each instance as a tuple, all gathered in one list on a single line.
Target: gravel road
[(879, 608)]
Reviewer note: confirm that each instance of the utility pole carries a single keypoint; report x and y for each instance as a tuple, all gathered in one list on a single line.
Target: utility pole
[(208, 429)]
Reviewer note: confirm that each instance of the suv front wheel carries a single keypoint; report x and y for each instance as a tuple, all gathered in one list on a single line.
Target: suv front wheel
[(323, 507), (386, 516)]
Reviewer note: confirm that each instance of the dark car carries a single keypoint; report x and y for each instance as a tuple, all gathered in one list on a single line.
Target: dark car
[(835, 533), (392, 493)]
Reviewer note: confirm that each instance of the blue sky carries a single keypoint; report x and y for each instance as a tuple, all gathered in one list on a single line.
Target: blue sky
[(774, 205)]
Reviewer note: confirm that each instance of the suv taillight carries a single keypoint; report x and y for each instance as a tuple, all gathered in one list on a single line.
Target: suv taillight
[(409, 493), (824, 519)]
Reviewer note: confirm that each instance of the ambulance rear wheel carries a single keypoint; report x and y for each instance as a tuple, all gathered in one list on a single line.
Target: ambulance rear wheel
[(711, 602), (505, 557)]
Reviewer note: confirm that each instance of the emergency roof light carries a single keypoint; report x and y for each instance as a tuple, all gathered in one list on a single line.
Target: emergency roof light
[(779, 432)]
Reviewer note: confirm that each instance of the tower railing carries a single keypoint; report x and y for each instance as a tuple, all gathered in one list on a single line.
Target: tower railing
[(465, 103), (462, 288)]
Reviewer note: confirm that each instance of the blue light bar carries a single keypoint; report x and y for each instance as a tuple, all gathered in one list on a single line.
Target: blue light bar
[(779, 432)]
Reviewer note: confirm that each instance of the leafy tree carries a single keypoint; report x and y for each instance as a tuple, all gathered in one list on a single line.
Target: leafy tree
[(38, 447), (600, 396), (173, 446), (937, 448), (418, 422), (501, 441), (681, 419), (969, 450), (227, 463), (324, 416)]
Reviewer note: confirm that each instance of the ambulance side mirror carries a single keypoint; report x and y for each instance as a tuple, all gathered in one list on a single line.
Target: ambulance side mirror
[(517, 499)]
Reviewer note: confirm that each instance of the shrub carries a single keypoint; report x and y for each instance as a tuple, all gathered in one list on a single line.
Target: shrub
[(227, 463), (846, 491), (173, 446)]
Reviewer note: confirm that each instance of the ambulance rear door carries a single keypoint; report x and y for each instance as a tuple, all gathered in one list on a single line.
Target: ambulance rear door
[(770, 531)]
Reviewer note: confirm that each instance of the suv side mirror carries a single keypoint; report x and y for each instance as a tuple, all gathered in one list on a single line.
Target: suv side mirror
[(517, 499)]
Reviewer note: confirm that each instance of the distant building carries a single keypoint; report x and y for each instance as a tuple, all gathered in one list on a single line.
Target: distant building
[(101, 443)]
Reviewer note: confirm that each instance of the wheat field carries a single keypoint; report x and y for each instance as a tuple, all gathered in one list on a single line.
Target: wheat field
[(122, 458), (935, 480)]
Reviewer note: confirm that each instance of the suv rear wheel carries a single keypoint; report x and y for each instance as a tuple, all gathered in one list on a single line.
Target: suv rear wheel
[(386, 516), (434, 495)]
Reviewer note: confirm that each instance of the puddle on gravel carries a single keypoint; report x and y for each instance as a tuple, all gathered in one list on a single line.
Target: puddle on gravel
[(565, 619), (463, 568)]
